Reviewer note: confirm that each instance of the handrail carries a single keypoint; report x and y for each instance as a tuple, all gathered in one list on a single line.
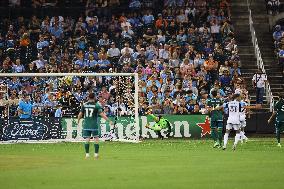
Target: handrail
[(260, 64)]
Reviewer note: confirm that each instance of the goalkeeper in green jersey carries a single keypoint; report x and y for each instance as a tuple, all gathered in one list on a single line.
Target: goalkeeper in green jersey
[(91, 111), (214, 105), (279, 121), (161, 123)]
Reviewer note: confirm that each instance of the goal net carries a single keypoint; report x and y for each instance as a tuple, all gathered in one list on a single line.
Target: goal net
[(55, 100)]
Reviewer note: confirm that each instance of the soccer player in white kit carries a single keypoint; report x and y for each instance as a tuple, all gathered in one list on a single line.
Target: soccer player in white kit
[(234, 108)]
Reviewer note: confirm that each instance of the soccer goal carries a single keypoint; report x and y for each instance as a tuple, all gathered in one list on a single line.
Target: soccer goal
[(56, 99)]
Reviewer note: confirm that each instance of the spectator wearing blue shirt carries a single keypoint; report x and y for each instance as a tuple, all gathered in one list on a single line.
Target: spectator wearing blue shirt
[(92, 27), (14, 84), (25, 107), (235, 69), (82, 43), (148, 18), (18, 67), (58, 112), (181, 37), (91, 62), (104, 63), (80, 62), (190, 97), (154, 81), (217, 88), (225, 79), (91, 52), (42, 43), (277, 34), (135, 21), (56, 31)]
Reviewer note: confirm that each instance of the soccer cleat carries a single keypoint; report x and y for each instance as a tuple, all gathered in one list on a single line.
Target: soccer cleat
[(234, 147), (279, 145), (216, 145), (96, 156), (87, 156), (224, 148)]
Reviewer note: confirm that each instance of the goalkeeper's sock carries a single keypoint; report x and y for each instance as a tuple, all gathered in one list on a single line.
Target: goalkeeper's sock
[(226, 137), (97, 147), (213, 135), (87, 148)]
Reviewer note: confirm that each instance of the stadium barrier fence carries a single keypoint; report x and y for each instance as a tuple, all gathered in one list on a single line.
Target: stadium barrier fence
[(67, 129)]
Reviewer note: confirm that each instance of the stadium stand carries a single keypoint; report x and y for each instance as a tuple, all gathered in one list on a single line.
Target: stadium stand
[(181, 51)]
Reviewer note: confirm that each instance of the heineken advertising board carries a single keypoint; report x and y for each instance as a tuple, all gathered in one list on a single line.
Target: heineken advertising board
[(183, 126)]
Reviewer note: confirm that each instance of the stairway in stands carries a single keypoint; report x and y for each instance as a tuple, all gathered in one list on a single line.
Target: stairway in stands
[(240, 19), (243, 37), (266, 44)]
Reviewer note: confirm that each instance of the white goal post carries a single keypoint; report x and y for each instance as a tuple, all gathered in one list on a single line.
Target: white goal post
[(134, 75)]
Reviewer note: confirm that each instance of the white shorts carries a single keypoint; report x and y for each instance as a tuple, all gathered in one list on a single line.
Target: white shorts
[(231, 126), (243, 124)]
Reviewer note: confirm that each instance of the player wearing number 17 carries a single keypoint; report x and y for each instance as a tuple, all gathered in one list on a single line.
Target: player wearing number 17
[(91, 111)]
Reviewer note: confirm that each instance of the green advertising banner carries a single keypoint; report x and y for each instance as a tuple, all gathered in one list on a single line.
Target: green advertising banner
[(183, 126)]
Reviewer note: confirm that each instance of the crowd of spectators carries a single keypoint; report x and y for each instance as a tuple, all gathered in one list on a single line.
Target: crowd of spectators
[(180, 54), (278, 37)]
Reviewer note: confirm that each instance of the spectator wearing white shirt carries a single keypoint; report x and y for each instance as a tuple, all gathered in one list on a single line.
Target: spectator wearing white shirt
[(127, 33), (40, 62), (259, 79), (126, 48), (113, 53), (164, 53), (215, 29)]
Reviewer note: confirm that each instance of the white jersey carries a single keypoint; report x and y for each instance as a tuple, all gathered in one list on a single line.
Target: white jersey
[(234, 109)]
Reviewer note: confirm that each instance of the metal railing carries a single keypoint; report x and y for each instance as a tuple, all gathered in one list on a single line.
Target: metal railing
[(260, 64)]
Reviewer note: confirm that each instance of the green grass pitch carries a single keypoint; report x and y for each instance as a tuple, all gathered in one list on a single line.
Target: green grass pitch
[(173, 164)]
